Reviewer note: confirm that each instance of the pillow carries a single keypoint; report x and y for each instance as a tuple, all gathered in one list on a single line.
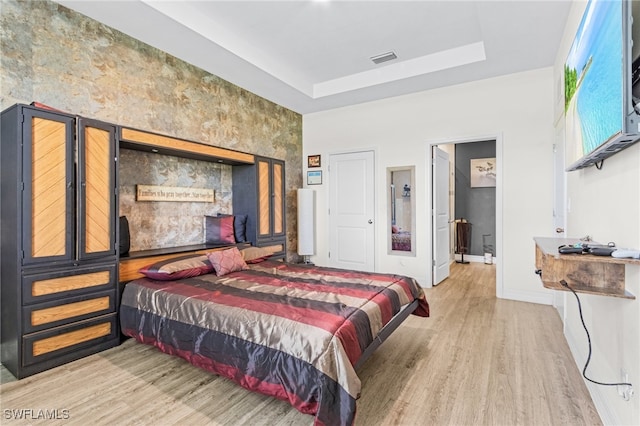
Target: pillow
[(219, 230), (190, 265), (255, 254), (125, 239), (239, 226), (227, 261)]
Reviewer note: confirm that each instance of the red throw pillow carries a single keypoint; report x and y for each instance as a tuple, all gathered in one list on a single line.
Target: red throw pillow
[(227, 261), (239, 226), (219, 230)]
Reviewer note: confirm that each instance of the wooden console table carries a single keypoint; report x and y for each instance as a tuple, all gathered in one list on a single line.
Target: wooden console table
[(585, 273)]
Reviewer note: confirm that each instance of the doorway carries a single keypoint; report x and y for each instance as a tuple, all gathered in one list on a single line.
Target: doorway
[(493, 242)]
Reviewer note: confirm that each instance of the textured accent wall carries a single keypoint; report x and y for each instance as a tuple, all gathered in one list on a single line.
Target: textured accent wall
[(56, 56), (157, 224)]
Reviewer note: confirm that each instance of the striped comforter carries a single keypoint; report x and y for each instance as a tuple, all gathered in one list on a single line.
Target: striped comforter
[(289, 331)]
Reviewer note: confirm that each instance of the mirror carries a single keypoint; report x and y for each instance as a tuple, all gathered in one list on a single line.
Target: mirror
[(402, 210)]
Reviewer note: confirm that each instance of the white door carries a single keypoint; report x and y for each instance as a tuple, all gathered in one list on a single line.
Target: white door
[(351, 211), (441, 231)]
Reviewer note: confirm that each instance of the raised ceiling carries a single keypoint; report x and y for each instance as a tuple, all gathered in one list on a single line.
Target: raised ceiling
[(311, 56)]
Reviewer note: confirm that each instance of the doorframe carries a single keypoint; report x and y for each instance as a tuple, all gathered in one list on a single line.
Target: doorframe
[(560, 203), (499, 202)]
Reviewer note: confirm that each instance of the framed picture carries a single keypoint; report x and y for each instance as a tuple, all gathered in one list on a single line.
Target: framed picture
[(314, 178), (313, 161), (483, 172)]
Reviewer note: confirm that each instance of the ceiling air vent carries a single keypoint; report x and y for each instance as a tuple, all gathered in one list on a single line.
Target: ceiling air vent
[(378, 59)]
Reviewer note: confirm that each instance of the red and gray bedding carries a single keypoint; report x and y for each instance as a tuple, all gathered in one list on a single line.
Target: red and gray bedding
[(401, 241), (290, 331)]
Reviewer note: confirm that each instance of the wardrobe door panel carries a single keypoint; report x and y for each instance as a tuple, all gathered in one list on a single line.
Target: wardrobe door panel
[(96, 162), (278, 198), (48, 211), (264, 199)]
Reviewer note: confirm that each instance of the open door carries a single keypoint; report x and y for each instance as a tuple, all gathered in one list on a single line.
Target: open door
[(441, 231)]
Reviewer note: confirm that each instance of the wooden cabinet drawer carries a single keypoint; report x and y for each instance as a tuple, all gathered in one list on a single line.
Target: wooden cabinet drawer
[(41, 287), (59, 312), (55, 342)]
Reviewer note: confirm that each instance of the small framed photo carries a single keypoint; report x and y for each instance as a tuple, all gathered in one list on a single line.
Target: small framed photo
[(314, 178), (483, 172), (313, 161)]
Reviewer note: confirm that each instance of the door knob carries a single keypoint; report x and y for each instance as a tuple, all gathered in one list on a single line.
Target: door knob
[(369, 221), (559, 230)]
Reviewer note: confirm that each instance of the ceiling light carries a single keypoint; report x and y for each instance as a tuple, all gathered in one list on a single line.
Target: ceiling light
[(384, 57)]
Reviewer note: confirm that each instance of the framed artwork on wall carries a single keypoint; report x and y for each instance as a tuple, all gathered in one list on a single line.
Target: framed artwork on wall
[(483, 172), (313, 161), (314, 178)]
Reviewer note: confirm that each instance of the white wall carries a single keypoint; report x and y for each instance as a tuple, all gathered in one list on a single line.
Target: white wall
[(518, 108), (605, 204)]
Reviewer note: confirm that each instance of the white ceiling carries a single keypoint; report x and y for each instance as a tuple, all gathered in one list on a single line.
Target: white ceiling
[(315, 55)]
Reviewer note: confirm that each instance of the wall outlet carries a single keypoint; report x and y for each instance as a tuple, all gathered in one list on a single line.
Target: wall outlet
[(625, 391), (624, 377)]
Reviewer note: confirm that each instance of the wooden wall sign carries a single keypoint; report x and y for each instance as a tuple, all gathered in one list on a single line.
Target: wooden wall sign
[(174, 193)]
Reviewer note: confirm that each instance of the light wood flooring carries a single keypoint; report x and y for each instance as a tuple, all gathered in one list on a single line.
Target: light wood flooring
[(477, 360)]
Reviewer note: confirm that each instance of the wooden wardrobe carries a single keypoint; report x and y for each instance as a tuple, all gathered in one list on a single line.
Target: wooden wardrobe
[(59, 238), (259, 192), (59, 215)]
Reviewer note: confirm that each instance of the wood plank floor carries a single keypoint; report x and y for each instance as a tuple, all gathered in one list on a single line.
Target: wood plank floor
[(476, 361)]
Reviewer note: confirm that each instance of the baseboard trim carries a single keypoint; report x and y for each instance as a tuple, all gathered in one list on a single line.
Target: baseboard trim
[(539, 297), (607, 416), (473, 258)]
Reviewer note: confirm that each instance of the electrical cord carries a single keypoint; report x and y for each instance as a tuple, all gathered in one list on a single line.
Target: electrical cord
[(584, 370)]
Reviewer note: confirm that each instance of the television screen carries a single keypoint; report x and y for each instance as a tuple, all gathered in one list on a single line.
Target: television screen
[(597, 78)]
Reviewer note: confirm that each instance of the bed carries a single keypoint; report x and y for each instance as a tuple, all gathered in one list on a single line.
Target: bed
[(401, 241), (295, 332)]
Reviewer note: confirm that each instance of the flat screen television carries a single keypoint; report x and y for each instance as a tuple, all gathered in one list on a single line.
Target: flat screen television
[(600, 119)]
